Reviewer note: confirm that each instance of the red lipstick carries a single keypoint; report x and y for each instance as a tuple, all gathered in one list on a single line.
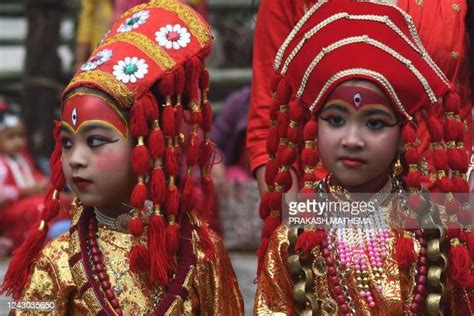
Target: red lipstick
[(81, 183), (352, 162)]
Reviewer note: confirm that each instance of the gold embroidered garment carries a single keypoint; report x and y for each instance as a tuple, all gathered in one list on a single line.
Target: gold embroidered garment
[(211, 284), (275, 290)]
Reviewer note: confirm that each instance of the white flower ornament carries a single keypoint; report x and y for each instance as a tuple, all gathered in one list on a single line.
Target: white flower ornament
[(134, 22), (100, 58), (130, 70), (173, 36)]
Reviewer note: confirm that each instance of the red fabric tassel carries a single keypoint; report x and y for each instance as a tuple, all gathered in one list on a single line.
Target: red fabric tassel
[(272, 141), (204, 80), (310, 130), (283, 122), (295, 135), (273, 110), (189, 198), (196, 118), (440, 160), (168, 121), (20, 266), (180, 80), (271, 170), (139, 259), (435, 128), (192, 156), (309, 157), (141, 160), (172, 239), (139, 196), (138, 122), (276, 200), (309, 240), (193, 72), (178, 118), (206, 242), (159, 261), (415, 202), (269, 225), (156, 144), (206, 111), (166, 85), (404, 252), (288, 157), (51, 209), (408, 134), (135, 227), (283, 92), (284, 179), (274, 80), (297, 111), (158, 186), (413, 179), (171, 161), (172, 200), (459, 263), (207, 187), (469, 240), (150, 106), (206, 151), (264, 207), (58, 180)]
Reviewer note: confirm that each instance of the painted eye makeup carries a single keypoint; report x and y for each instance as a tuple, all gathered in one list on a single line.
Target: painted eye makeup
[(66, 142), (95, 141), (334, 120)]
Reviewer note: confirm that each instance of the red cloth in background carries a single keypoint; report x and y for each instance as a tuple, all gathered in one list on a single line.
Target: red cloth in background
[(442, 30)]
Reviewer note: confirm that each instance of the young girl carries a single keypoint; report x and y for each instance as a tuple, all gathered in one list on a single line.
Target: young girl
[(117, 147), (353, 78), (22, 185)]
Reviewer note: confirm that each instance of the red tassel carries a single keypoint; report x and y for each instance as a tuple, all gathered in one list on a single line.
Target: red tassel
[(435, 128), (415, 202), (272, 141), (310, 130), (158, 186), (178, 118), (413, 179), (207, 187), (309, 157), (192, 146), (206, 242), (139, 195), (135, 227), (264, 207), (206, 151), (172, 200), (408, 134), (404, 252), (150, 107), (284, 180), (469, 240), (168, 121), (138, 122), (271, 170), (297, 111), (180, 80), (193, 72), (156, 144), (440, 160), (51, 209), (141, 160), (206, 111), (283, 92), (309, 240), (58, 180), (139, 259), (276, 200), (172, 239), (189, 198), (171, 161), (295, 135), (204, 80), (460, 263), (273, 110), (309, 177), (166, 85), (269, 225), (460, 185), (159, 262), (283, 122), (288, 156), (20, 266), (274, 81)]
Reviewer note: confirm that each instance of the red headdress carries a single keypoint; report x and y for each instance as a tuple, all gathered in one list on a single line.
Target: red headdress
[(340, 40), (157, 48)]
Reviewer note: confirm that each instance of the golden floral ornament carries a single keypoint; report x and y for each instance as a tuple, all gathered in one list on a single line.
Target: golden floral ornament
[(134, 22), (130, 69), (173, 36), (97, 60)]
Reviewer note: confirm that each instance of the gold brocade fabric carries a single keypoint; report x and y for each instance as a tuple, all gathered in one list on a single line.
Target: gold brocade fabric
[(212, 286), (275, 290)]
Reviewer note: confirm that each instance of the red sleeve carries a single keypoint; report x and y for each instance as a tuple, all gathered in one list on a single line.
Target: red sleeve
[(275, 20)]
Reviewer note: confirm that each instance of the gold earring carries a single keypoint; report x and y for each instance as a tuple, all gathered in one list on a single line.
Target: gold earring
[(397, 168)]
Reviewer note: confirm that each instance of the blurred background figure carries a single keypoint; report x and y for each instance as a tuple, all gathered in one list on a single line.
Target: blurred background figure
[(21, 183)]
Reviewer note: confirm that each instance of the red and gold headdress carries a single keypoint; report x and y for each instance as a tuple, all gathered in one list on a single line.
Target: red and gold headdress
[(340, 40), (157, 48)]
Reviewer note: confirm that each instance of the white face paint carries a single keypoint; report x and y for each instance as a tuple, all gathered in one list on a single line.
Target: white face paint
[(357, 100), (74, 117)]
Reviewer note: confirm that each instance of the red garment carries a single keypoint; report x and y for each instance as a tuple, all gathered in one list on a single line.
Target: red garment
[(276, 18)]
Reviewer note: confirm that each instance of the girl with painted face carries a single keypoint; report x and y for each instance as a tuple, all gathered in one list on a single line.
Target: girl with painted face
[(136, 244), (352, 83)]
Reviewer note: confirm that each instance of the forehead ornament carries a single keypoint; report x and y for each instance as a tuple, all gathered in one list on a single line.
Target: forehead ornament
[(74, 117), (357, 99)]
